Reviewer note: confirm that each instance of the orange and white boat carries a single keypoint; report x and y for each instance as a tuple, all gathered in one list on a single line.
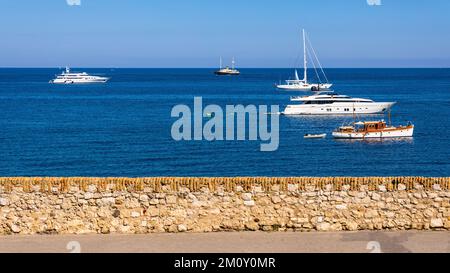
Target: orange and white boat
[(373, 129)]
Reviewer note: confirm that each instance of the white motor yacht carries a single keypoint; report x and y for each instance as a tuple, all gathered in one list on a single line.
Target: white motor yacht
[(331, 103), (68, 77)]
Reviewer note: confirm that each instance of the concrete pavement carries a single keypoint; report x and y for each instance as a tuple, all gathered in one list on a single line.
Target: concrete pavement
[(239, 242)]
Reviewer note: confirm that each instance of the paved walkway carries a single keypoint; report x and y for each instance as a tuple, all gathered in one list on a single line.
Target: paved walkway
[(240, 242)]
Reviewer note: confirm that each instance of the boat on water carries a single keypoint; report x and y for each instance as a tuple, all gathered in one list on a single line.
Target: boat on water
[(373, 129), (332, 103), (298, 84), (68, 77), (227, 70), (314, 135)]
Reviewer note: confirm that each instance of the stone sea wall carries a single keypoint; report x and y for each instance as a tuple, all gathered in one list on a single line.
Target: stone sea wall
[(78, 205)]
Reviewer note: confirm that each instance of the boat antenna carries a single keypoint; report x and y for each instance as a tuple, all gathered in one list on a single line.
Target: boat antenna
[(220, 62)]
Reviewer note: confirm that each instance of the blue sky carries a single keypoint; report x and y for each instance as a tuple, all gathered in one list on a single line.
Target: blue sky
[(194, 33)]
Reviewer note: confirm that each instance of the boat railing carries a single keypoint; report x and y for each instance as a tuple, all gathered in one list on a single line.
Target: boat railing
[(295, 81), (298, 97)]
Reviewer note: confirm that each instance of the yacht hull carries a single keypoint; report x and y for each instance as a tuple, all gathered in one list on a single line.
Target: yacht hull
[(338, 108), (227, 73), (387, 133), (75, 81), (304, 87)]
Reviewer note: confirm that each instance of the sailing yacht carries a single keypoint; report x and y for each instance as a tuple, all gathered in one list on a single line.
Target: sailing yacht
[(331, 103), (227, 71), (68, 77), (302, 84)]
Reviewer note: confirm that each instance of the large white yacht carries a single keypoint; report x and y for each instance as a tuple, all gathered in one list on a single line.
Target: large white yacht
[(68, 77), (298, 84), (331, 103)]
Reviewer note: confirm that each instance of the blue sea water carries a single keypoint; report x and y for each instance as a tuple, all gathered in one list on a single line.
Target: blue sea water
[(122, 128)]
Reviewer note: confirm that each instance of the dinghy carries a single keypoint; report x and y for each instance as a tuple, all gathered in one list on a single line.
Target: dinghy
[(315, 135)]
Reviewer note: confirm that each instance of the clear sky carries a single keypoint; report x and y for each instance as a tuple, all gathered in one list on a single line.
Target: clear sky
[(194, 33)]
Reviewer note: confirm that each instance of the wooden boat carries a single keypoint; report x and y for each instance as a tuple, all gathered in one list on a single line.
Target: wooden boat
[(373, 129)]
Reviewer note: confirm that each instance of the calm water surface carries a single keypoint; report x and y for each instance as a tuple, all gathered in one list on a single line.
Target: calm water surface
[(122, 128)]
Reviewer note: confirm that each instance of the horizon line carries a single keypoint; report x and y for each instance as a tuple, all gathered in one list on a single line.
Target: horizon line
[(129, 67)]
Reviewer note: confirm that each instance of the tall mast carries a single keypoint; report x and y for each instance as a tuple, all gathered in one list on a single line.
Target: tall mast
[(220, 62), (305, 64), (232, 63)]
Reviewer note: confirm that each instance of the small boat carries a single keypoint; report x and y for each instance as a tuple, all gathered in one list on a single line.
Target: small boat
[(298, 84), (314, 135), (373, 129), (227, 70)]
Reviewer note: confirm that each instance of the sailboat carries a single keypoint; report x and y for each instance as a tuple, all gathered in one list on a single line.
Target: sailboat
[(298, 84), (227, 71)]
